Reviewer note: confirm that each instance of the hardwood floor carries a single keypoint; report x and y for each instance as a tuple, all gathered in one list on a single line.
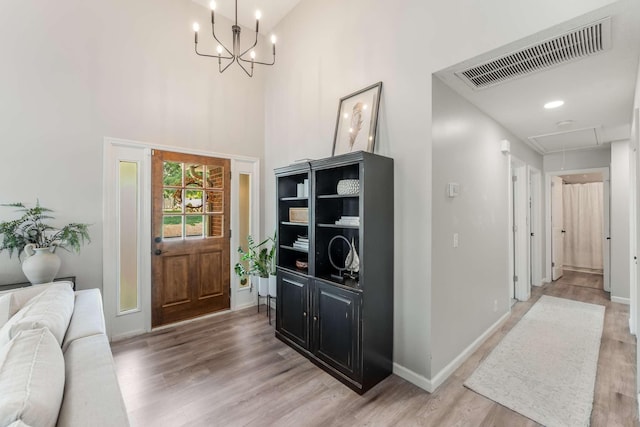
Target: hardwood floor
[(229, 370), (576, 278)]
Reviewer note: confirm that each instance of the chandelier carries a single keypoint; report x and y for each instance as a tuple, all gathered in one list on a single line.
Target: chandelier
[(235, 54)]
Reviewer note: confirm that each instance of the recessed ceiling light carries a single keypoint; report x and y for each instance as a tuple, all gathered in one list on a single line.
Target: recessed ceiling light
[(553, 104)]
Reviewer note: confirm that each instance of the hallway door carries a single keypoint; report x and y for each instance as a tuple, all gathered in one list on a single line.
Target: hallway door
[(557, 230)]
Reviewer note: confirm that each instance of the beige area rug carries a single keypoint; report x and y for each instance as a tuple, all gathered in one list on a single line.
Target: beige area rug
[(545, 367)]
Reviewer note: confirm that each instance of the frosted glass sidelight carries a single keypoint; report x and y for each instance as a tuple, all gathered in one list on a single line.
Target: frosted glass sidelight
[(128, 236), (244, 213)]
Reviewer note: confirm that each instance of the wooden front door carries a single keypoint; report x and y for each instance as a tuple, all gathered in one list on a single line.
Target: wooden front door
[(190, 231)]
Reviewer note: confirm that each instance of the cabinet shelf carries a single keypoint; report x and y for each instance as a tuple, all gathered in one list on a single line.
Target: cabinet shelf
[(292, 199), (348, 284), (291, 248), (299, 224), (337, 196), (351, 227)]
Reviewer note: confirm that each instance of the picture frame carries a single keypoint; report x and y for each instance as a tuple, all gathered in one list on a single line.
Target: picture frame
[(357, 121)]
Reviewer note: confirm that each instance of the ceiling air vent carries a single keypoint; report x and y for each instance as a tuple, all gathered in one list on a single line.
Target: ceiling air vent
[(578, 43)]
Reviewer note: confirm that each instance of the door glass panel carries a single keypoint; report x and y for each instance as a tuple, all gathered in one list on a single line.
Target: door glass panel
[(172, 174), (193, 175), (172, 200), (171, 226), (215, 177), (244, 213), (194, 225), (185, 200), (128, 236), (215, 201), (193, 202), (215, 226)]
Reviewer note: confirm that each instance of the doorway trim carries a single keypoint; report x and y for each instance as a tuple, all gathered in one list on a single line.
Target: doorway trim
[(111, 149), (606, 246), (535, 224), (519, 230)]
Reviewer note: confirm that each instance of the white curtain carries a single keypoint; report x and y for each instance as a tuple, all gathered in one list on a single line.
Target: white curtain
[(583, 217)]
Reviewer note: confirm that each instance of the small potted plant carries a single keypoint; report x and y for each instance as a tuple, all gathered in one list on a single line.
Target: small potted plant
[(258, 260), (29, 234)]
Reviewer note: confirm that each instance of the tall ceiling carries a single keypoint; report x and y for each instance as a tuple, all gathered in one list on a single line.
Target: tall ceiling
[(597, 90), (272, 11)]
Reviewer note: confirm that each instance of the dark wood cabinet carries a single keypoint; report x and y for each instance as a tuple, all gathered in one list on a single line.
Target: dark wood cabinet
[(341, 321), (292, 311), (336, 331)]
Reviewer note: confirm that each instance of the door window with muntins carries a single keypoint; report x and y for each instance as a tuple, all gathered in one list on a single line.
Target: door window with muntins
[(193, 201)]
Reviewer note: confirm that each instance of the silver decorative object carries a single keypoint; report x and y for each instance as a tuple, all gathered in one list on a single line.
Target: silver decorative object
[(351, 262)]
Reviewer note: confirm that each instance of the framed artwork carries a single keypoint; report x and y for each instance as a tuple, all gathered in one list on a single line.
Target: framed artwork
[(357, 121)]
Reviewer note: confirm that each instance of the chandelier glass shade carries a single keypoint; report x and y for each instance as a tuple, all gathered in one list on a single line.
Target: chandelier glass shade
[(235, 54)]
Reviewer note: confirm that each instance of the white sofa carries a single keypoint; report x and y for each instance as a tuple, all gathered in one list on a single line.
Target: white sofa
[(56, 366)]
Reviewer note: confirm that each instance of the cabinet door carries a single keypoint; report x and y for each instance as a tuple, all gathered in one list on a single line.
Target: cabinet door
[(292, 310), (337, 328)]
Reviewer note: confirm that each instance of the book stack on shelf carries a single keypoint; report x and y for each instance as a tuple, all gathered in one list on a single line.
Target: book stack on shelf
[(352, 221), (302, 243)]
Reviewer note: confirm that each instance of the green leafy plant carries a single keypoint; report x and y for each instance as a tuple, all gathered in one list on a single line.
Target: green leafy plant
[(30, 228), (258, 259)]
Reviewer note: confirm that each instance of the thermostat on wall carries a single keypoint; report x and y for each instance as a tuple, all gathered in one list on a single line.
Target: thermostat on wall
[(453, 189)]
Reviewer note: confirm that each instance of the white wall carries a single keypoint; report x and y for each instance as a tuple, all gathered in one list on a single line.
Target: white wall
[(330, 48), (620, 247), (576, 160), (76, 71), (466, 150), (635, 132)]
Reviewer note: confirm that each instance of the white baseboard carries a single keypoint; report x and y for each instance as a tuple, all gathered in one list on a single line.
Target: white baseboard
[(127, 335), (442, 376), (414, 378), (620, 300), (431, 385), (245, 305)]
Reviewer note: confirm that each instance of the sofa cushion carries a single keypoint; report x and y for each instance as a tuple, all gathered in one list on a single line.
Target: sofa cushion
[(91, 391), (50, 309), (5, 308), (22, 296), (32, 379), (87, 318)]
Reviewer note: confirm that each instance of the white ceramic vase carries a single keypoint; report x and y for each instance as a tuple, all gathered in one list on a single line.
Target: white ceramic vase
[(263, 286), (41, 264), (273, 282)]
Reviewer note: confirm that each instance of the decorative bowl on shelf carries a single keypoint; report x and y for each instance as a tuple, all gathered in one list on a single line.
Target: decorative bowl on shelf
[(302, 264), (348, 186)]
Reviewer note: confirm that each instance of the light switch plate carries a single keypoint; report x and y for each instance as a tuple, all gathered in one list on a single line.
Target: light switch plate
[(453, 189)]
